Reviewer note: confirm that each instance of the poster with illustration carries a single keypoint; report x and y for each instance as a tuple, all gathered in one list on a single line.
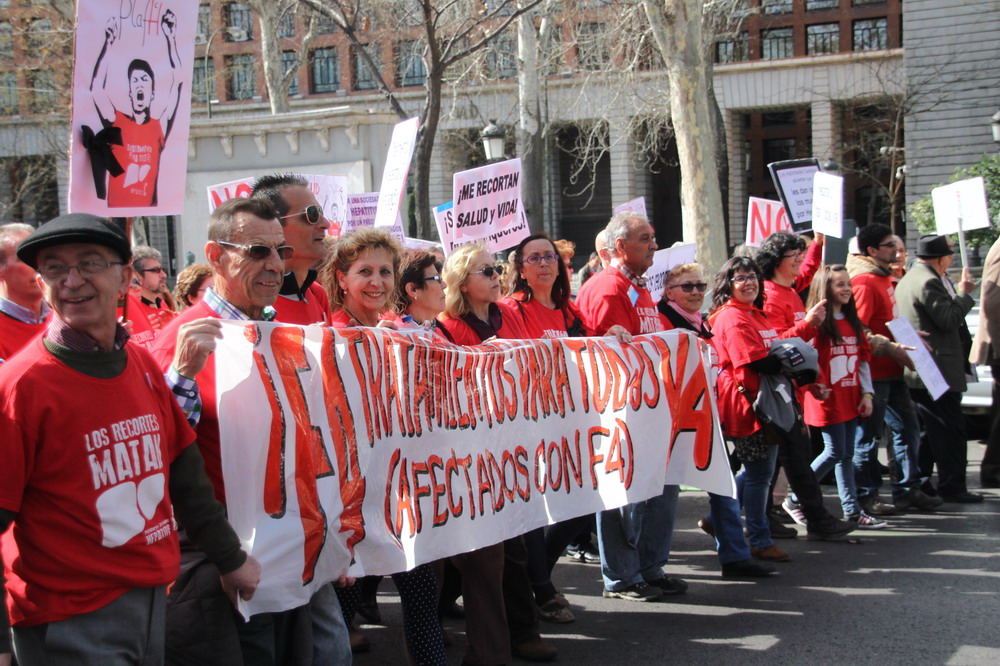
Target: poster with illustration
[(131, 107)]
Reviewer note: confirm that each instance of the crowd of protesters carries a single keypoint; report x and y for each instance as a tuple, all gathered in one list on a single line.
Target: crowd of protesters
[(806, 374)]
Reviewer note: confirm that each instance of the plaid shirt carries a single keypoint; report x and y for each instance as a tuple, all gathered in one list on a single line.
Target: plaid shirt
[(637, 280), (185, 388)]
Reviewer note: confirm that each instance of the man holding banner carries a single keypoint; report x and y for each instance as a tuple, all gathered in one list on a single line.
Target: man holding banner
[(634, 540), (301, 300)]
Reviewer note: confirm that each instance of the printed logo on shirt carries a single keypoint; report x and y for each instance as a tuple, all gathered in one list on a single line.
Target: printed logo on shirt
[(844, 362), (126, 464), (891, 291), (649, 320)]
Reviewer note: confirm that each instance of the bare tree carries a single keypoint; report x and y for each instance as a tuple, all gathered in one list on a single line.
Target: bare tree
[(278, 73), (452, 30)]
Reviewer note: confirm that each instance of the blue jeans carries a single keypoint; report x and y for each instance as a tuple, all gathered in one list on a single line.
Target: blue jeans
[(331, 643), (752, 485), (838, 453), (892, 405), (635, 539), (725, 517)]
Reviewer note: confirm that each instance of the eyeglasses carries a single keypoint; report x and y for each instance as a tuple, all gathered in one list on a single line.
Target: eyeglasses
[(795, 255), (261, 252), (435, 278), (536, 259), (312, 214), (53, 272), (688, 287), (889, 244), (740, 279), (158, 269), (489, 271)]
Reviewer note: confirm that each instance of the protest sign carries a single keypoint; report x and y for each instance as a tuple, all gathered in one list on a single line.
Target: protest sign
[(794, 182), (925, 365), (331, 195), (230, 190), (397, 165), (828, 204), (131, 107), (663, 261), (637, 205), (361, 211), (399, 449), (487, 206), (764, 217), (961, 207)]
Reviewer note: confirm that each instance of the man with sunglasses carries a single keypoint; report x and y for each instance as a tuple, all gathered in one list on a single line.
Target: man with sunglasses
[(246, 249), (150, 312), (97, 464), (301, 300)]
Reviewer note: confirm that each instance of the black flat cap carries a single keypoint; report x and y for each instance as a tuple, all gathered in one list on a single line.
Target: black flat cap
[(932, 247), (74, 228)]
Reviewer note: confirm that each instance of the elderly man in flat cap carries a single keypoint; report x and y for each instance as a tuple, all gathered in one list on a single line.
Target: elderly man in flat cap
[(937, 309), (97, 465)]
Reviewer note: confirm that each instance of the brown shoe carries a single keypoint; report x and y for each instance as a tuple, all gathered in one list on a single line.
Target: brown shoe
[(771, 554), (535, 650), (359, 642)]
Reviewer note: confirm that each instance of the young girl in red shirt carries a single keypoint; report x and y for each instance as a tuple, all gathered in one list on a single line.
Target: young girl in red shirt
[(843, 367)]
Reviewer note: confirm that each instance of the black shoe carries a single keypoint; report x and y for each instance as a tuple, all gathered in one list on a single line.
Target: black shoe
[(536, 650), (828, 528), (669, 585), (707, 527), (779, 531), (990, 482), (370, 613), (747, 569), (963, 498)]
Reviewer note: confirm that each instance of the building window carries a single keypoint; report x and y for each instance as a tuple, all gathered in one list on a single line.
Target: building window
[(203, 80), (506, 8), (410, 68), (286, 28), (777, 6), (732, 50), (6, 41), (325, 70), (815, 5), (290, 60), (43, 90), (871, 34), (29, 191), (776, 43), (242, 77), (501, 59), (325, 25), (204, 20), (593, 48), (239, 22), (867, 2), (364, 77), (8, 94), (777, 150), (822, 38), (38, 36)]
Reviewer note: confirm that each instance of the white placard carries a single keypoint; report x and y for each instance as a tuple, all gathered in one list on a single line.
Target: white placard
[(902, 330), (828, 204), (764, 217), (663, 261), (230, 190), (397, 165), (965, 200), (487, 206), (637, 205)]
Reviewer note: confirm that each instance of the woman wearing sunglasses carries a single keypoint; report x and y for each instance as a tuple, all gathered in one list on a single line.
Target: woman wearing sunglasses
[(421, 289), (500, 612), (360, 279)]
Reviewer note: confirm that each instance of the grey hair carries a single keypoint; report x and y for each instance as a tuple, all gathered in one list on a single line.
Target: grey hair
[(141, 253), (10, 236), (619, 228)]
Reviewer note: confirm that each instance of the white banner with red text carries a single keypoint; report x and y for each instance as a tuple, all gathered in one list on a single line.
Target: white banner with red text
[(393, 449)]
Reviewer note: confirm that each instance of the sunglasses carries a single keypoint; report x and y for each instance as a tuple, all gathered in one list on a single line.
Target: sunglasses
[(435, 278), (688, 287), (312, 214), (158, 269), (489, 271), (261, 252)]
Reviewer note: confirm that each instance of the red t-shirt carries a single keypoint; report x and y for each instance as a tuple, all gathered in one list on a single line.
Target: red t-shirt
[(158, 316), (874, 296), (315, 308), (143, 333), (511, 327), (542, 322), (15, 334), (139, 155), (838, 369), (611, 298), (208, 424), (89, 484), (741, 335), (785, 312)]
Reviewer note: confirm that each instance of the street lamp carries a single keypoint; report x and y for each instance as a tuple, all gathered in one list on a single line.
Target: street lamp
[(995, 125), (493, 136)]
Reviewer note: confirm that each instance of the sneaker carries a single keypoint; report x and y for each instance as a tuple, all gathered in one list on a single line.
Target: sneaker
[(866, 522), (707, 527), (771, 554), (915, 498), (669, 585), (829, 528), (781, 531), (747, 569), (794, 509), (588, 554), (637, 592), (555, 612), (776, 515), (874, 506)]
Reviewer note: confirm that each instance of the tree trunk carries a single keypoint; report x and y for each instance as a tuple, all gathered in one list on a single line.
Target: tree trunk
[(422, 152), (529, 140), (277, 94), (677, 28)]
